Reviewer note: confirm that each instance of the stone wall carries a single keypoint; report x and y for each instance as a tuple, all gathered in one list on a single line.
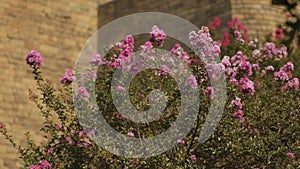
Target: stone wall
[(58, 29), (198, 12), (259, 16)]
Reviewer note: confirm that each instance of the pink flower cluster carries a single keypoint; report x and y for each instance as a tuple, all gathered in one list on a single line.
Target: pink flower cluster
[(290, 155), (126, 49), (96, 60), (237, 28), (215, 24), (239, 66), (226, 40), (130, 134), (146, 46), (157, 35), (193, 157), (204, 46), (178, 51), (83, 93), (285, 74), (83, 140), (34, 58), (2, 125), (209, 91), (277, 34), (68, 77), (237, 102), (43, 165), (239, 113), (236, 25), (215, 70), (192, 81), (247, 86), (180, 141), (269, 51)]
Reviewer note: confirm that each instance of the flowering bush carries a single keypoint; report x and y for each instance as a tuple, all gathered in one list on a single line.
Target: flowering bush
[(259, 128), (289, 33)]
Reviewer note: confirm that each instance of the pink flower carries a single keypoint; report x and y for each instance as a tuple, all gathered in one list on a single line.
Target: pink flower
[(120, 116), (256, 53), (290, 155), (238, 58), (83, 93), (193, 157), (269, 50), (237, 102), (269, 68), (215, 24), (192, 81), (288, 14), (92, 132), (215, 70), (35, 167), (240, 26), (235, 21), (229, 25), (50, 151), (45, 164), (209, 91), (226, 40), (281, 75), (206, 48), (2, 125), (284, 87), (238, 114), (58, 126), (246, 67), (96, 60), (294, 83), (226, 61), (92, 75), (256, 67), (114, 64), (180, 141), (126, 49), (157, 35), (281, 52), (147, 46), (82, 134), (68, 77), (178, 51), (237, 34), (247, 86), (127, 43), (69, 140), (34, 58), (245, 36), (234, 81), (278, 33), (164, 70), (288, 67), (130, 134), (87, 143), (121, 88)]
